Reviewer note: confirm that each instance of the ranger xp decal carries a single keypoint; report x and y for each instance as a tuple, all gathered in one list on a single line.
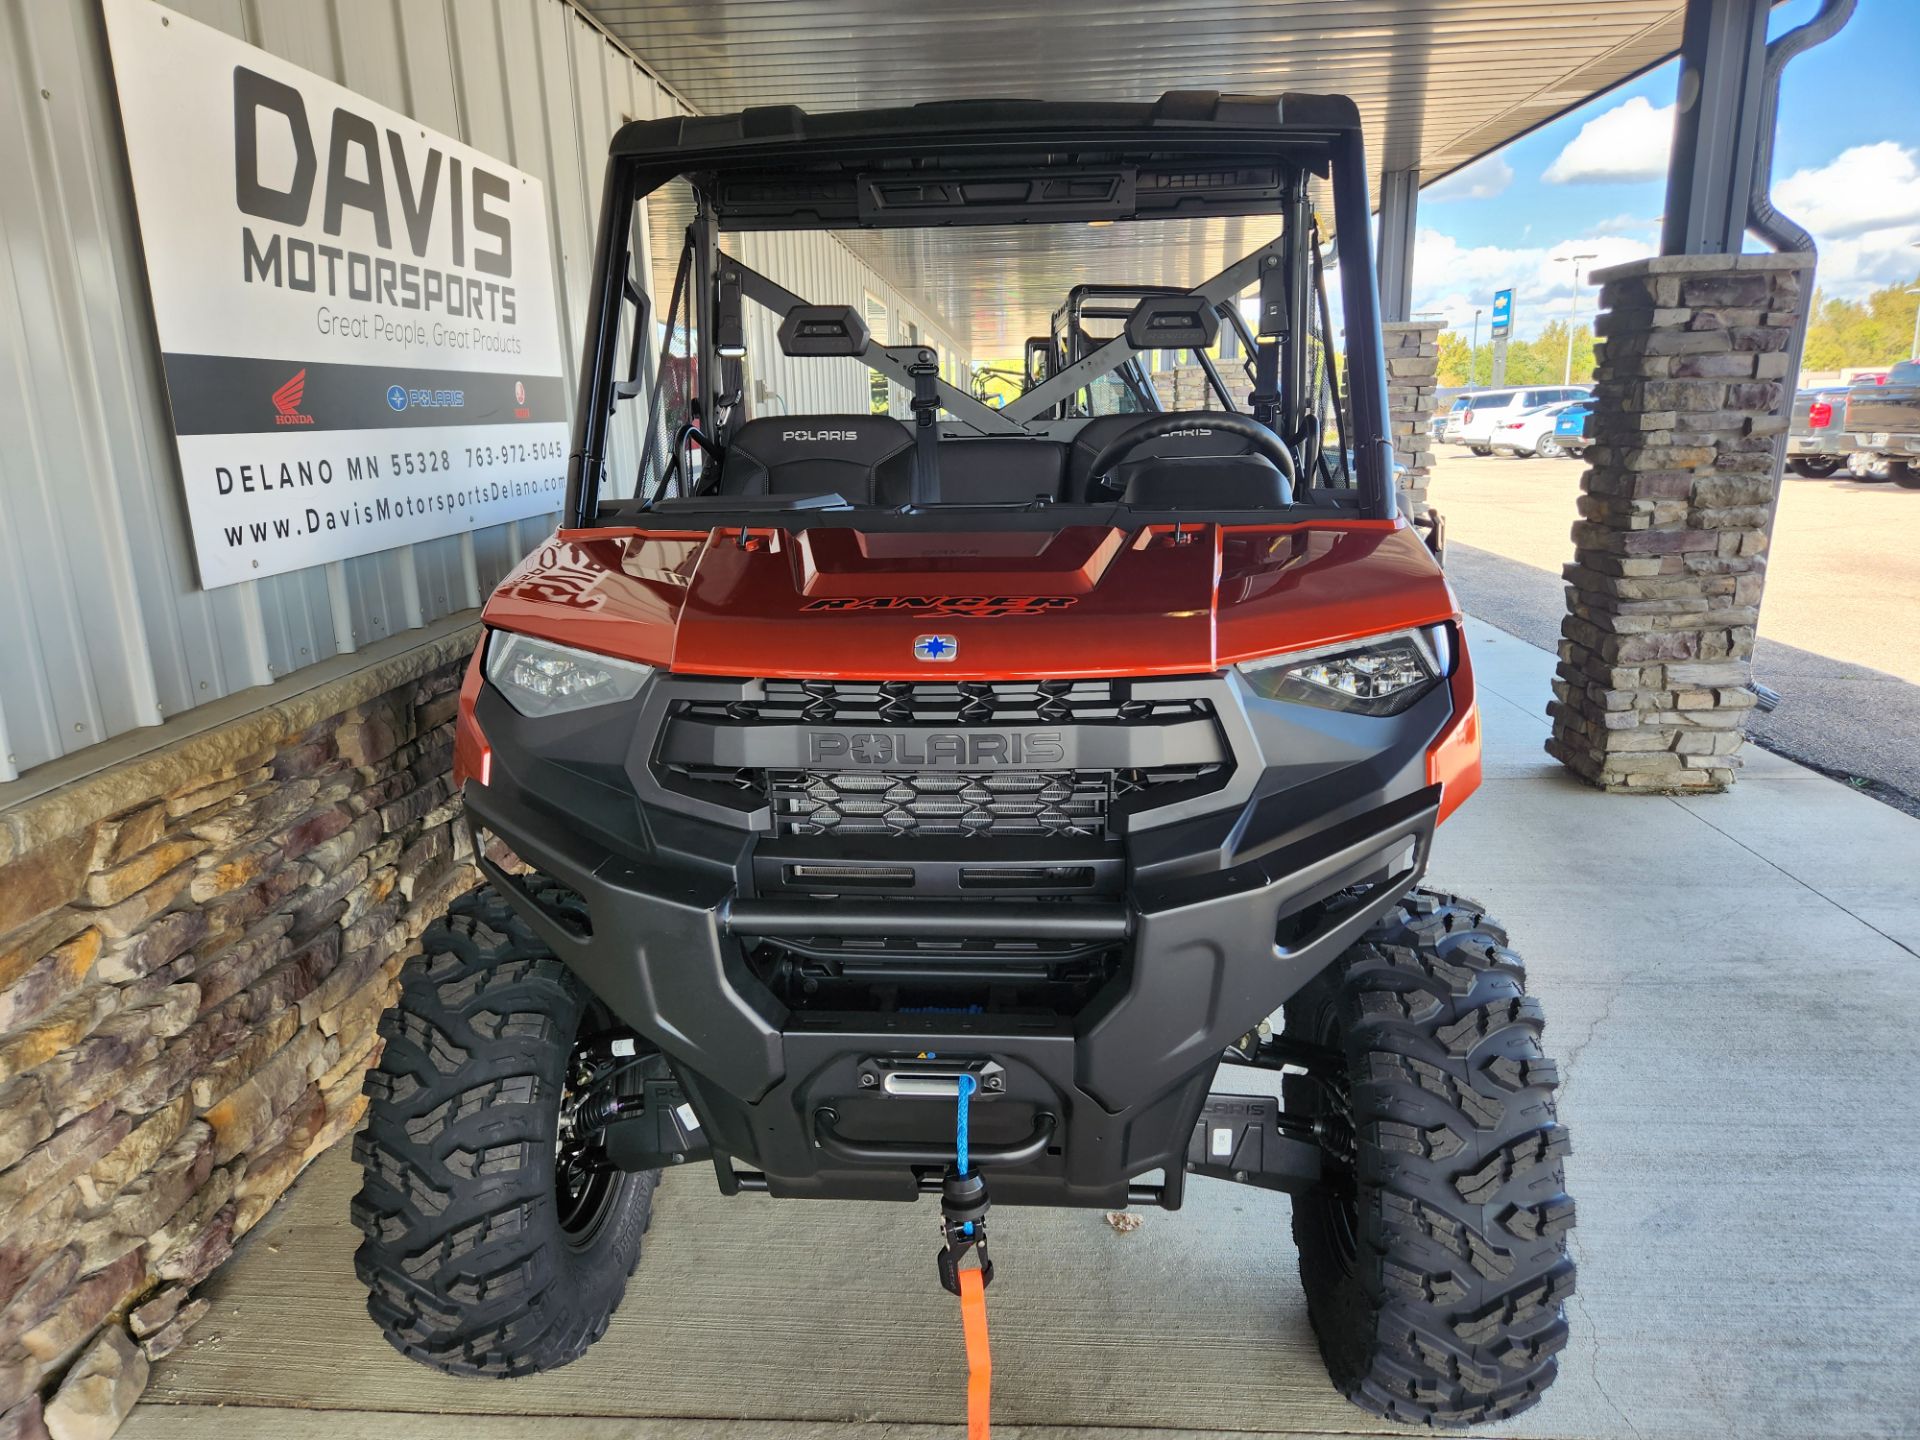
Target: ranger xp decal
[(979, 607)]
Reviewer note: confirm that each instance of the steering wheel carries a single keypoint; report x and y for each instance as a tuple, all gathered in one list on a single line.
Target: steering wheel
[(1265, 442)]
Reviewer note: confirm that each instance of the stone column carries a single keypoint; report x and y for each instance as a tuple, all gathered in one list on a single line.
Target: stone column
[(1663, 594), (1413, 363)]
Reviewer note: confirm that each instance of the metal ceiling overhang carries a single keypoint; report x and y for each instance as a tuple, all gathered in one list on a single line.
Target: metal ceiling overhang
[(1438, 83)]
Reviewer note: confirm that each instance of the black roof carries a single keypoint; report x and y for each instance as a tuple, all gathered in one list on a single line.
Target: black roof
[(1177, 113), (985, 162)]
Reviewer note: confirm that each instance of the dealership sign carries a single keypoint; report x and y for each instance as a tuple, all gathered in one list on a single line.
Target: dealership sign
[(355, 313), (1502, 314)]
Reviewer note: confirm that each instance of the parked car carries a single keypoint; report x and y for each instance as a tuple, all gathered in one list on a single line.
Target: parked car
[(1570, 427), (1487, 410), (1446, 418), (1818, 442), (1532, 432), (1884, 422)]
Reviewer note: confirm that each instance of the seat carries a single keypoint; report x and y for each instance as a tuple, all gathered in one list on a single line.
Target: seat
[(1103, 430), (1000, 470), (865, 459)]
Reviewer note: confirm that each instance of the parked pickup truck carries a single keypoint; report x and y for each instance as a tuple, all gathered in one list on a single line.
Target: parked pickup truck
[(1818, 444), (1884, 421)]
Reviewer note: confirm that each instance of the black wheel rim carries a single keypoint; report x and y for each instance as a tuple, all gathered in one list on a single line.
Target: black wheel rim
[(584, 1190), (1339, 1145), (585, 1182)]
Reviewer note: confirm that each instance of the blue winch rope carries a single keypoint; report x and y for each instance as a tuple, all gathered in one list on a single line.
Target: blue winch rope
[(968, 1084)]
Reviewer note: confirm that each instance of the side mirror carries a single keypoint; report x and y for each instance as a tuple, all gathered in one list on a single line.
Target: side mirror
[(1435, 526)]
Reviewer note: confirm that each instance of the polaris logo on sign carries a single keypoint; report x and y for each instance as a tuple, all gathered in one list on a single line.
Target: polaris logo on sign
[(934, 750)]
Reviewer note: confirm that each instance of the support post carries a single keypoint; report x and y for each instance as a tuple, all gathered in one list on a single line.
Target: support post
[(1399, 211), (1717, 126), (1413, 367), (1663, 595)]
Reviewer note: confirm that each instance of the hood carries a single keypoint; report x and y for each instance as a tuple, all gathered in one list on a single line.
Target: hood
[(1082, 601)]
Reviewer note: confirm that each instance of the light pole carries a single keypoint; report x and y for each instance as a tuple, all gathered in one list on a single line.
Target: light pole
[(1574, 260), (1473, 354), (1913, 350)]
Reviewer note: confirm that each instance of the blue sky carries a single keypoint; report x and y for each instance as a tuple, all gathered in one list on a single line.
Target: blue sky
[(1846, 164)]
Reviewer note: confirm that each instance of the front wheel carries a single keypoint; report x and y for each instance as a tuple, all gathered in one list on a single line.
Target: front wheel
[(497, 1242), (1903, 474), (1549, 448), (1434, 1256)]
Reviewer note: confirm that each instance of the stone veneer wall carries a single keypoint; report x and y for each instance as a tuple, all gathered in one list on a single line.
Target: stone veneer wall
[(1663, 594), (195, 949), (1413, 367), (1185, 387)]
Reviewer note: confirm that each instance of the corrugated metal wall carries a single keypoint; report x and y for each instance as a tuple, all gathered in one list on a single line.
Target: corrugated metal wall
[(103, 628)]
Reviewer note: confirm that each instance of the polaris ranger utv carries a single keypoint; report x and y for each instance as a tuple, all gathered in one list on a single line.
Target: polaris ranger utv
[(856, 795)]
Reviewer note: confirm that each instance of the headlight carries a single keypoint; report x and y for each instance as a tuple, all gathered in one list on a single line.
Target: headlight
[(540, 678), (1375, 677)]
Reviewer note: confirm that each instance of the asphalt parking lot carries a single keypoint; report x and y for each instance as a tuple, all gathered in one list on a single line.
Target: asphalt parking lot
[(1837, 632)]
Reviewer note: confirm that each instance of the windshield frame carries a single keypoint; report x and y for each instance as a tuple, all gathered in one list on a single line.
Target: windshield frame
[(637, 169)]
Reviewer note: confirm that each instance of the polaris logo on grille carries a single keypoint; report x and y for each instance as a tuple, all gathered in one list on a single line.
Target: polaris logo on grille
[(937, 749)]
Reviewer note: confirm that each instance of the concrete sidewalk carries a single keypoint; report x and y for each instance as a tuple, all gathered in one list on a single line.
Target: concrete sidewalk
[(1733, 991)]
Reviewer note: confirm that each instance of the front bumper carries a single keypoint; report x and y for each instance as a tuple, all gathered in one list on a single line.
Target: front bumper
[(1223, 911)]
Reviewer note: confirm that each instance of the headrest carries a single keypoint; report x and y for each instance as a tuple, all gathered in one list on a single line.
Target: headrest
[(852, 439), (1173, 322), (823, 330), (866, 459)]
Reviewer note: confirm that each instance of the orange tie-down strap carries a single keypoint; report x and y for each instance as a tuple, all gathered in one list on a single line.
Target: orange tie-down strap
[(973, 1323)]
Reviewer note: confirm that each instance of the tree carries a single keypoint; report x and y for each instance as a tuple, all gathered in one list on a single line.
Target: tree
[(1455, 359), (1875, 331), (1539, 361)]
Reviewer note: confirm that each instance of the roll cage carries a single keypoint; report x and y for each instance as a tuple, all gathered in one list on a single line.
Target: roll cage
[(1190, 155)]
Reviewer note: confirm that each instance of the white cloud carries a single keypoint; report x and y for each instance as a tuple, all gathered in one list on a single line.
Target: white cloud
[(1456, 279), (1855, 264), (1632, 141), (1482, 180), (1867, 187), (1629, 224)]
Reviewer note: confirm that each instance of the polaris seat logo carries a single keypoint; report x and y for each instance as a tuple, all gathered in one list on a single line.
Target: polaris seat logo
[(819, 436), (937, 749)]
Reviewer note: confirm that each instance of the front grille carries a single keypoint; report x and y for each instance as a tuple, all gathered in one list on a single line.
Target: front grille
[(1001, 804), (967, 702), (954, 794), (938, 802)]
